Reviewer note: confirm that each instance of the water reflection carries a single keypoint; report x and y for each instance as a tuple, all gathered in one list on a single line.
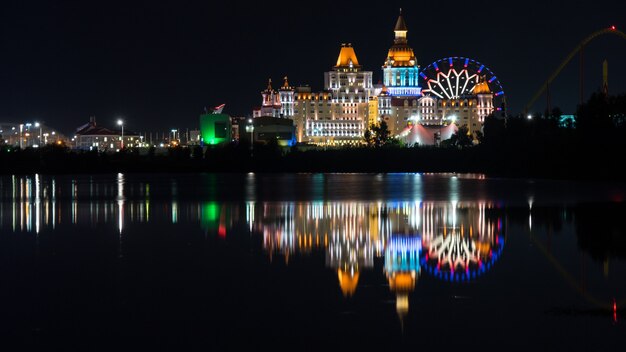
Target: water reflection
[(453, 241)]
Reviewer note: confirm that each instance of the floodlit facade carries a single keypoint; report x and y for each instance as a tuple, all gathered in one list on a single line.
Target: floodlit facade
[(350, 103)]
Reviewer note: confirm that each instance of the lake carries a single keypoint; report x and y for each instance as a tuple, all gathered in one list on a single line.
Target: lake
[(311, 261)]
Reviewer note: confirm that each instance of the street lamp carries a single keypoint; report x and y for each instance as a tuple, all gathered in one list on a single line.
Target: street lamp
[(121, 123), (21, 130), (250, 128), (174, 136), (37, 124)]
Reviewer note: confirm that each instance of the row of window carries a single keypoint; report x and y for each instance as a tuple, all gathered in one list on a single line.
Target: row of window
[(316, 133)]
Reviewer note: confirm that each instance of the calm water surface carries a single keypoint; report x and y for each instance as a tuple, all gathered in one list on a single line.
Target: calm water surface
[(311, 261)]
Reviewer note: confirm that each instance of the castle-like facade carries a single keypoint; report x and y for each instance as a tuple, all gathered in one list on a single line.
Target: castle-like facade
[(350, 103)]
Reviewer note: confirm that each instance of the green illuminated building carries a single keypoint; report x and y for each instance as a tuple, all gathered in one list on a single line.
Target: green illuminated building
[(215, 128)]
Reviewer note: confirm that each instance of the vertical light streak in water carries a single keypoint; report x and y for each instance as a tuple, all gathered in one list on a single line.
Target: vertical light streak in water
[(174, 212), (141, 212), (250, 214), (147, 202), (74, 202), (26, 204), (54, 201), (91, 214), (14, 191), (250, 187), (454, 189), (454, 204), (417, 188), (120, 203), (530, 214), (37, 203), (174, 202)]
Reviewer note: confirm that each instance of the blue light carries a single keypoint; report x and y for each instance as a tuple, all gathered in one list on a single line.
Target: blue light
[(492, 79), (481, 68), (437, 67), (450, 61), (466, 61)]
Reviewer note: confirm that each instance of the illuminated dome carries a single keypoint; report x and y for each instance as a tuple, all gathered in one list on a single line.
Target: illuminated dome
[(348, 282), (347, 56), (400, 56)]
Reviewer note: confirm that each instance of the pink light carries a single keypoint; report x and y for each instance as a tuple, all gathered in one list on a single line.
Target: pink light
[(612, 28)]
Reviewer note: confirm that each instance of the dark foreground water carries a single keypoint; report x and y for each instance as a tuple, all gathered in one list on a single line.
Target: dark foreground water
[(311, 262)]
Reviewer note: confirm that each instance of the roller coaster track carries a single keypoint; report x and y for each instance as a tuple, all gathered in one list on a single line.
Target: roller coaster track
[(610, 30)]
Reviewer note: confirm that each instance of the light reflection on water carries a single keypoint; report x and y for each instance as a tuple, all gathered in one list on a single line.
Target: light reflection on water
[(444, 230)]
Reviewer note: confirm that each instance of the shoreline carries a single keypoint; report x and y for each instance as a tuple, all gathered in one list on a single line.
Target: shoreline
[(544, 163)]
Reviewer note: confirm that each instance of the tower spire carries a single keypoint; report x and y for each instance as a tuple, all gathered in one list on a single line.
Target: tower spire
[(400, 30)]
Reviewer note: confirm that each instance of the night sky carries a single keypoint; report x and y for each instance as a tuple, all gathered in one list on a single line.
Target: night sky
[(157, 64)]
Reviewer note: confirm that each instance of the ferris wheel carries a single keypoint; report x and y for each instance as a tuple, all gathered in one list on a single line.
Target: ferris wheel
[(455, 77)]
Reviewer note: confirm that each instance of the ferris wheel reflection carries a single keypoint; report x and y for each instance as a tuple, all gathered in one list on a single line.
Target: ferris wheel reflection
[(452, 241)]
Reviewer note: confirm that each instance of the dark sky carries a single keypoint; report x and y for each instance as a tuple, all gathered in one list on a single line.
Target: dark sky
[(157, 64)]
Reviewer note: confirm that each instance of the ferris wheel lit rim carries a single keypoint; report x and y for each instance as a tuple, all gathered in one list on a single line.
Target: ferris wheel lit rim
[(468, 69)]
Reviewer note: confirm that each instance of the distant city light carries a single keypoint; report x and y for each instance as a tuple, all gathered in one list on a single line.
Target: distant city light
[(530, 117)]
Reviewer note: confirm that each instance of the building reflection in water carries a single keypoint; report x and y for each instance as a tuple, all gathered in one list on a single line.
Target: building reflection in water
[(451, 241), (402, 269)]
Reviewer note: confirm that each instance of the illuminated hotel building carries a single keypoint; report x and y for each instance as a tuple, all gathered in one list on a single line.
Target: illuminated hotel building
[(350, 103), (338, 115)]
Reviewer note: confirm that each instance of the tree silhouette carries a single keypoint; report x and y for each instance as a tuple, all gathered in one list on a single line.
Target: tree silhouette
[(377, 135)]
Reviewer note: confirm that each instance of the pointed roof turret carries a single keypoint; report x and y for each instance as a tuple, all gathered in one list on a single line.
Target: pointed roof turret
[(347, 56), (400, 54), (286, 85), (400, 25)]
